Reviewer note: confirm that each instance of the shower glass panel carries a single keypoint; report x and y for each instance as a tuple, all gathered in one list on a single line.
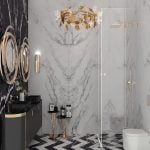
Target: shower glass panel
[(113, 71)]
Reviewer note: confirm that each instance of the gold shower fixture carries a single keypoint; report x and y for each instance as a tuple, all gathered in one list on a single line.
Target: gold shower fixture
[(80, 17)]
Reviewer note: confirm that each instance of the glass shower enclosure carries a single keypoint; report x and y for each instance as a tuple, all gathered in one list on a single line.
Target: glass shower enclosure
[(112, 78)]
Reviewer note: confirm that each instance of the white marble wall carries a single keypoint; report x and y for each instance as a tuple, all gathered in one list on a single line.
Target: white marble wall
[(132, 109), (143, 70), (138, 49), (69, 71)]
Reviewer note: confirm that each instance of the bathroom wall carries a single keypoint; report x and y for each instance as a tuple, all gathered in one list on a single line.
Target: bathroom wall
[(70, 66), (15, 13), (133, 112), (138, 48), (143, 71)]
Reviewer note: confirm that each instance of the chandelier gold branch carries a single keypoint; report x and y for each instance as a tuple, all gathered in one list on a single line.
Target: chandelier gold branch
[(82, 17)]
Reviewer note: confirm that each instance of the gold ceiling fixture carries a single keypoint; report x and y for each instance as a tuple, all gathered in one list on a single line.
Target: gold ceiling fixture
[(81, 17)]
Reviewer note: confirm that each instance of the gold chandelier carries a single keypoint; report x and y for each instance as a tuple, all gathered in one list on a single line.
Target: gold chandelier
[(82, 17)]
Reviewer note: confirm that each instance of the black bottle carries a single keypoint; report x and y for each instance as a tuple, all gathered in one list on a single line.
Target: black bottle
[(62, 111)]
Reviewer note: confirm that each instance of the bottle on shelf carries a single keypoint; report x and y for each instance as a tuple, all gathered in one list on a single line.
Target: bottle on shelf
[(68, 111), (51, 107), (62, 111)]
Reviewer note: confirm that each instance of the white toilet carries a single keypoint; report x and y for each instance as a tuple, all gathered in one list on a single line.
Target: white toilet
[(136, 139)]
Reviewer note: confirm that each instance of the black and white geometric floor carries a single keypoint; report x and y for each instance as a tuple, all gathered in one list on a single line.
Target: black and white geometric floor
[(88, 142)]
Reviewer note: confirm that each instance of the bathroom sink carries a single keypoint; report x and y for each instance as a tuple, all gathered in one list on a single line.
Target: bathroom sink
[(23, 106), (20, 107)]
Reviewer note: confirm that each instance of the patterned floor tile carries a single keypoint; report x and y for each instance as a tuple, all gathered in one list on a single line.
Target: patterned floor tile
[(88, 142)]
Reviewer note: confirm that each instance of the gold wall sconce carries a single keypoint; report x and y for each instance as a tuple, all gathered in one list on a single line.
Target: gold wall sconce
[(37, 61)]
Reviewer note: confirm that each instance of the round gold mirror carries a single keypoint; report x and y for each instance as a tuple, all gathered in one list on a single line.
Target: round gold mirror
[(9, 56), (24, 60)]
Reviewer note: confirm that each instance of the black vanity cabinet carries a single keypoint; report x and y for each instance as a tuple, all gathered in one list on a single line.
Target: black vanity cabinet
[(33, 122), (19, 129), (14, 132)]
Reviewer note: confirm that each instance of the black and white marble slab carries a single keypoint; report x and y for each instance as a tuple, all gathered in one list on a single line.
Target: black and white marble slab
[(70, 66), (14, 13)]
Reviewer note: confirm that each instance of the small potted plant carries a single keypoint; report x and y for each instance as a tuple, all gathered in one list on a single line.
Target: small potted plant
[(21, 90)]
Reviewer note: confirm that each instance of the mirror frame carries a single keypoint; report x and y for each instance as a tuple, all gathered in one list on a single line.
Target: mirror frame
[(9, 76), (25, 60)]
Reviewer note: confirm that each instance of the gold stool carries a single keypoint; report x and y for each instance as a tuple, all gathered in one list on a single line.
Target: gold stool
[(64, 126), (53, 116)]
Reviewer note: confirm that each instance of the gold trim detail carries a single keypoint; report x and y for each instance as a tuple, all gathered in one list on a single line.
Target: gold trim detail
[(15, 115)]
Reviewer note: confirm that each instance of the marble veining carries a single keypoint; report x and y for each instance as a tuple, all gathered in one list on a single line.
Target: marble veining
[(138, 54), (15, 13), (4, 99), (70, 67)]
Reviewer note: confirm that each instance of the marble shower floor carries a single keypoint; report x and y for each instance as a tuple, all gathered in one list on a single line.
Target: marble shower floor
[(88, 142)]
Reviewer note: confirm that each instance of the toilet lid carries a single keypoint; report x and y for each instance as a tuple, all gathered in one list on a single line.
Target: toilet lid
[(135, 132)]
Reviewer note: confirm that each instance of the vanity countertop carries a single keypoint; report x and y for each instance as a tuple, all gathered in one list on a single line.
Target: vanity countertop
[(20, 107)]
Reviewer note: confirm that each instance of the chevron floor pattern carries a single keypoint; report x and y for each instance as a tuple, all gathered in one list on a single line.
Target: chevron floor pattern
[(88, 142)]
